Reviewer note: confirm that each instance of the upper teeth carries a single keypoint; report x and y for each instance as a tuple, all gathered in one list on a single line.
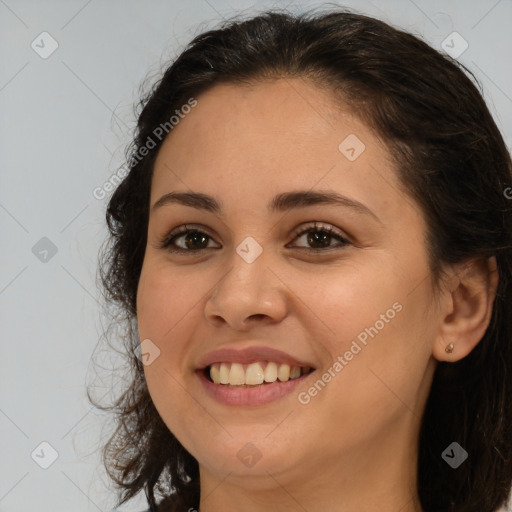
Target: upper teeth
[(236, 374)]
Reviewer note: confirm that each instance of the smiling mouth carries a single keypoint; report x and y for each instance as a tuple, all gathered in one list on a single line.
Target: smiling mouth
[(259, 373)]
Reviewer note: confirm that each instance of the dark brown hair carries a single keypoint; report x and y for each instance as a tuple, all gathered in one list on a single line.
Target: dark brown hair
[(450, 158)]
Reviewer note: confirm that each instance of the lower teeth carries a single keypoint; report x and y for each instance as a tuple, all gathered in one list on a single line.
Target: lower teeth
[(247, 385)]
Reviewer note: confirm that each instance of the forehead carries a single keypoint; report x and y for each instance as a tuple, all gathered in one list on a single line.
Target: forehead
[(271, 137), (292, 109)]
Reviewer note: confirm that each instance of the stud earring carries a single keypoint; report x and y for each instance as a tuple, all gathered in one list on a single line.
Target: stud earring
[(449, 348)]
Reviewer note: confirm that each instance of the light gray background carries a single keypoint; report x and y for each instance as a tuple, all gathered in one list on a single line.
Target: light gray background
[(64, 123)]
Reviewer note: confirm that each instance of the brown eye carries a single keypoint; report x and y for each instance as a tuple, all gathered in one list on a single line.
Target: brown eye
[(187, 240), (323, 239), (320, 237), (195, 240)]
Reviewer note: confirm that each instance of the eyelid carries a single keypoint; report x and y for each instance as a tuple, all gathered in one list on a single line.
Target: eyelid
[(182, 230), (319, 226), (344, 240)]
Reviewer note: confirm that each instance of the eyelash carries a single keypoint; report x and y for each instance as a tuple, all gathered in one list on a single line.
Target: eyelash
[(315, 227)]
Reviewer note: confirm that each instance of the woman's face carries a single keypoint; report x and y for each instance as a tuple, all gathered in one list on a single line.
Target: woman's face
[(258, 287)]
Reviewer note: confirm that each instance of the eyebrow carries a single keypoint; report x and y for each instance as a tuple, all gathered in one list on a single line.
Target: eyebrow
[(280, 203)]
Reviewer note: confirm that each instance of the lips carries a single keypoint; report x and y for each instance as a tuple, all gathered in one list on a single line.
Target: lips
[(251, 355), (281, 373)]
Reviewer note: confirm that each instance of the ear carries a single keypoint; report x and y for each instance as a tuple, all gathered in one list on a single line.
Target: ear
[(466, 308)]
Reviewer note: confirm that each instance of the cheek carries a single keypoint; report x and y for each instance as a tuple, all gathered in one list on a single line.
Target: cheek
[(377, 383), (164, 299), (167, 308), (353, 298), (387, 360), (168, 305), (382, 330)]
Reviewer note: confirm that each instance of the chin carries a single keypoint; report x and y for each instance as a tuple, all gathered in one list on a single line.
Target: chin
[(248, 455)]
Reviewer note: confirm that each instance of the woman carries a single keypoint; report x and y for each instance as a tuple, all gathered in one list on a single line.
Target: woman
[(313, 251)]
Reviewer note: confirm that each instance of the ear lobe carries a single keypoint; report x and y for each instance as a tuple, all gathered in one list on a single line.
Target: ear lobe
[(468, 311)]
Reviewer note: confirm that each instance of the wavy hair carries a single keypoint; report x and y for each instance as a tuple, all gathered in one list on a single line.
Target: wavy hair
[(450, 158)]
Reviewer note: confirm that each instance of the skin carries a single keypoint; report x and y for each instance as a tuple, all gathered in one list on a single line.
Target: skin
[(353, 447)]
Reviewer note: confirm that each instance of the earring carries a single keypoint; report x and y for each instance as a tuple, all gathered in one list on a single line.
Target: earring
[(449, 348)]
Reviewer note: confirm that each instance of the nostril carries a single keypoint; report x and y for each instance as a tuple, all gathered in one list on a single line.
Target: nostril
[(258, 316)]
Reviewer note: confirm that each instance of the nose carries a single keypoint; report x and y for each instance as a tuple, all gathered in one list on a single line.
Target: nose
[(249, 294)]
